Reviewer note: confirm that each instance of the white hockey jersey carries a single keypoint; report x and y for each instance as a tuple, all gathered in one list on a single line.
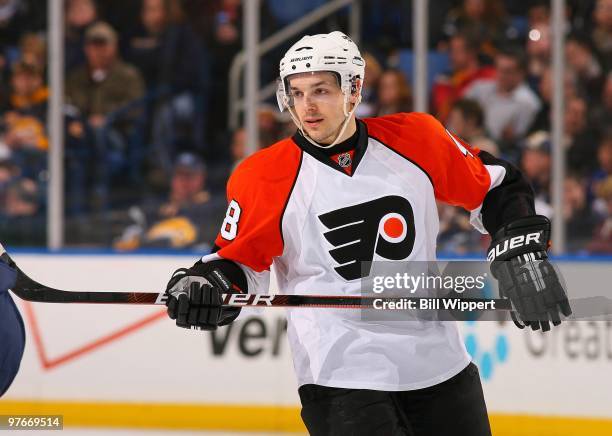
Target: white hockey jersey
[(294, 209)]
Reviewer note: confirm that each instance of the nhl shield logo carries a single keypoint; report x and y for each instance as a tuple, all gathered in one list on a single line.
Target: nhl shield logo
[(344, 160)]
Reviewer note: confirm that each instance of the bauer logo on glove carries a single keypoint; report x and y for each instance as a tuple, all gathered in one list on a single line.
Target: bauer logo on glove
[(519, 262)]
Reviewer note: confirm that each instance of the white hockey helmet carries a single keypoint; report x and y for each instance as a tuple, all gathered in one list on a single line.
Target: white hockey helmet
[(334, 52)]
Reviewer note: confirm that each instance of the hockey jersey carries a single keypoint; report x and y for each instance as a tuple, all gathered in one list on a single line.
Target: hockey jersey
[(295, 210)]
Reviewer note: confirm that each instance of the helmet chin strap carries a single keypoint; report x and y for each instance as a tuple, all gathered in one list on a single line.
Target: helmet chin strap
[(347, 118)]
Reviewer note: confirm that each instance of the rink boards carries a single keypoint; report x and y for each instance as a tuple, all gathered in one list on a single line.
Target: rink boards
[(129, 366)]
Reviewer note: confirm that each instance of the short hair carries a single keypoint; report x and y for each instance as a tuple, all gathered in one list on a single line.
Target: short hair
[(470, 109), (516, 53)]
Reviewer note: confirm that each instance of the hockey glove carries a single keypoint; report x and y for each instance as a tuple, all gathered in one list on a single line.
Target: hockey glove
[(194, 298), (519, 262)]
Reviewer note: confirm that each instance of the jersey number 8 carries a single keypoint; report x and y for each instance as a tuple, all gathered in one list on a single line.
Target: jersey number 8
[(229, 229)]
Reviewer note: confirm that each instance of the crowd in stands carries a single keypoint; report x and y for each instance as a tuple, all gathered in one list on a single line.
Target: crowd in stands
[(148, 147)]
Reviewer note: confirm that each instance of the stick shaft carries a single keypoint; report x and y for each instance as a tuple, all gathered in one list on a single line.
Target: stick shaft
[(31, 290)]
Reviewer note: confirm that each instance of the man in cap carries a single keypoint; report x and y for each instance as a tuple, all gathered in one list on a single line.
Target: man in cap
[(105, 83)]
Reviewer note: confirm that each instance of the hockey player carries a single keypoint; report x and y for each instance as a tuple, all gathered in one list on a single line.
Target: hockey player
[(12, 332), (342, 191)]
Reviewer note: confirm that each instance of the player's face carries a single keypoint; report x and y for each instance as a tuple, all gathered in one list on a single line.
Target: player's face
[(318, 103)]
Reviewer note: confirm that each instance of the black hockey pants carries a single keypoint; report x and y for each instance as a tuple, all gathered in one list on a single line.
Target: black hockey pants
[(455, 407)]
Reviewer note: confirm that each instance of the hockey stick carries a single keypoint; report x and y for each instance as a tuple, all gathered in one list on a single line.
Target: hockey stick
[(31, 290)]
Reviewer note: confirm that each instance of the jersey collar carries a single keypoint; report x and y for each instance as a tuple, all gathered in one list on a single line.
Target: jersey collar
[(322, 155)]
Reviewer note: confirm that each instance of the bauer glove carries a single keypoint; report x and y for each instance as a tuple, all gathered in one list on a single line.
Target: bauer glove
[(519, 262), (195, 298)]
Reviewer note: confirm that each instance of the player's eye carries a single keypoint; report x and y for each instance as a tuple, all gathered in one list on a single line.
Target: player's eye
[(321, 91), (295, 93)]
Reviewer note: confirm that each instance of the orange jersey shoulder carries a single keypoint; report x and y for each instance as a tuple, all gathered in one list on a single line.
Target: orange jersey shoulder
[(257, 194), (458, 176)]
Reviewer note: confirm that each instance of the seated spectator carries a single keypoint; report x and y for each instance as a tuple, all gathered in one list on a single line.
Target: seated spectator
[(29, 94), (97, 90), (602, 31), (394, 93), (24, 137), (602, 237), (486, 19), (105, 83), (545, 90), (189, 217), (79, 15), (535, 164), (466, 68), (509, 104), (579, 219), (582, 61), (581, 139), (466, 121), (373, 71)]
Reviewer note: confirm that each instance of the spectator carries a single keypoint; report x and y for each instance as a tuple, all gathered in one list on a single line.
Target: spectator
[(466, 121), (486, 19), (29, 94), (373, 71), (394, 94), (604, 159), (465, 69), (186, 220), (98, 90), (582, 60), (33, 49), (536, 166), (580, 138), (510, 105), (106, 83), (25, 138), (456, 234), (579, 219), (166, 51), (602, 237), (80, 14), (538, 13), (269, 126), (539, 51), (602, 31), (545, 88)]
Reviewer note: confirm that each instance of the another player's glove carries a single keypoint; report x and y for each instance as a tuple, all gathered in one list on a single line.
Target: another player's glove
[(194, 298), (519, 262)]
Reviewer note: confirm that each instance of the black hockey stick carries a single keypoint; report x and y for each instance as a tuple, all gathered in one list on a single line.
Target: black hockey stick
[(30, 290)]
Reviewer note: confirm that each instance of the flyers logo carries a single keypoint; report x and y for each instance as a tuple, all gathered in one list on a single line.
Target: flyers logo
[(384, 226)]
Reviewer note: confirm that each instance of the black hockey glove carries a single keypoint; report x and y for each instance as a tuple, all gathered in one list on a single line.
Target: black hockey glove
[(194, 298), (519, 262)]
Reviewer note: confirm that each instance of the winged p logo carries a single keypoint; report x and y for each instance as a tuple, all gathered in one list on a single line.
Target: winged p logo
[(384, 226)]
